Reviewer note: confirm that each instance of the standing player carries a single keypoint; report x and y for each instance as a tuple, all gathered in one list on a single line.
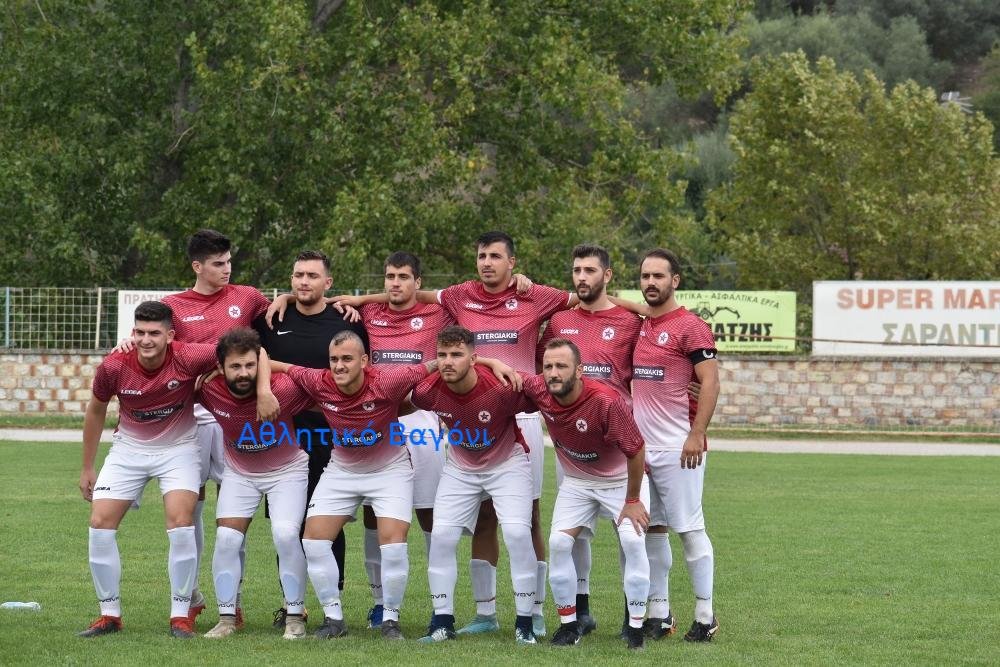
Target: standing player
[(360, 403), (489, 459), (201, 315), (303, 338), (155, 437), (601, 452), (605, 334), (271, 465), (404, 331), (674, 348)]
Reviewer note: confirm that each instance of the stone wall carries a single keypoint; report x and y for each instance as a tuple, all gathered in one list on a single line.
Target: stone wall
[(757, 390)]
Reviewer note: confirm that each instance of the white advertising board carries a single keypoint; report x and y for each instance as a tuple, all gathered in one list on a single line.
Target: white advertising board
[(128, 300), (906, 318)]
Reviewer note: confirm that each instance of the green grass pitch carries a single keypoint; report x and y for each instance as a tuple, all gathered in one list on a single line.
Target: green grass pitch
[(820, 559)]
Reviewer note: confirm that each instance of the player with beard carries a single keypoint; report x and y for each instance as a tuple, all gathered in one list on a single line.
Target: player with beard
[(271, 465), (674, 347), (601, 451), (302, 338)]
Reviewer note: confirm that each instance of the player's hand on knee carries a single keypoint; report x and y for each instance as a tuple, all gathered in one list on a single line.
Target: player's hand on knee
[(637, 514), (88, 478)]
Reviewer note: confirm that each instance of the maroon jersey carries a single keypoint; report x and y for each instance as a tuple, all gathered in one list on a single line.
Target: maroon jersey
[(663, 364), (155, 407), (486, 415), (360, 423), (404, 336), (204, 318), (594, 435), (249, 449), (506, 324), (606, 339)]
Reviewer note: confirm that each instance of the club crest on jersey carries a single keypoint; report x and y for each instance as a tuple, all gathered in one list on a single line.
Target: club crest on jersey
[(173, 384), (511, 304), (581, 425), (368, 406), (234, 312), (417, 323), (608, 333), (485, 416), (663, 338)]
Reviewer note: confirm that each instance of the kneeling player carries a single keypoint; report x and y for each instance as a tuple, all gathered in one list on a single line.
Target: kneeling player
[(601, 452), (262, 460)]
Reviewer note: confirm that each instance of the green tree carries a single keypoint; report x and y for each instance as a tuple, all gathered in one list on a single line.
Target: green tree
[(356, 127), (988, 100), (835, 178)]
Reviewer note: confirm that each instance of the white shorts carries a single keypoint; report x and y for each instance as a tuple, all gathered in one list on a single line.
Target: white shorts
[(389, 492), (675, 493), (428, 459), (581, 506), (530, 425), (460, 493), (285, 489), (127, 469), (211, 443)]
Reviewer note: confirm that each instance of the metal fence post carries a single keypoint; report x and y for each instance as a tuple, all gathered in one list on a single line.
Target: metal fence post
[(6, 317), (97, 324)]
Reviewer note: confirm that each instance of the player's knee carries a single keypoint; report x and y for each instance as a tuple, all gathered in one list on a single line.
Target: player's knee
[(629, 539), (515, 532), (285, 534), (103, 522), (560, 544), (696, 544), (228, 539)]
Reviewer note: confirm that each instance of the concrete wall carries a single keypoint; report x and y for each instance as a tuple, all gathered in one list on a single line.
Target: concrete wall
[(757, 390)]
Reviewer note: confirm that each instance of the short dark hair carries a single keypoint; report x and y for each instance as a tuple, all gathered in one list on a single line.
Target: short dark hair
[(456, 335), (314, 255), (663, 253), (205, 243), (348, 336), (590, 250), (154, 311), (400, 259), (562, 342), (239, 340), (489, 238)]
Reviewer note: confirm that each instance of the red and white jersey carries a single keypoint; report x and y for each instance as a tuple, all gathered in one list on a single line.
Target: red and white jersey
[(360, 423), (663, 364), (404, 336), (606, 339), (201, 318), (594, 435), (506, 324), (486, 416), (252, 447), (154, 407)]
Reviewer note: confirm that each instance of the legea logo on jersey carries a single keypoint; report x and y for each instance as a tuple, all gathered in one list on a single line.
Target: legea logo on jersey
[(193, 318), (648, 373), (485, 416), (511, 304), (417, 323), (379, 323), (662, 338), (608, 333), (234, 311), (473, 305), (581, 425), (569, 332), (132, 392)]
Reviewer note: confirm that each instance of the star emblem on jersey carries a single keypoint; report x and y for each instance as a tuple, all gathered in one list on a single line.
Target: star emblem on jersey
[(663, 338), (511, 304), (234, 312), (173, 384), (608, 333), (368, 406), (417, 323), (485, 416), (581, 425)]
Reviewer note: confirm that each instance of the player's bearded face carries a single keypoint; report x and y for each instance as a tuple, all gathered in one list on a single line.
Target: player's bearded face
[(494, 264), (454, 362), (310, 281), (400, 284), (240, 371), (560, 370), (657, 281), (589, 279)]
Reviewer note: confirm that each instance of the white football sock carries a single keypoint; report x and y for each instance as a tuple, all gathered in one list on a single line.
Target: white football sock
[(226, 570), (582, 561), (660, 559), (324, 573), (427, 542), (106, 569), (523, 566), (700, 559), (484, 586), (373, 564), (562, 575), (395, 571), (442, 568), (199, 540), (182, 560), (636, 573), (291, 563), (542, 569)]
